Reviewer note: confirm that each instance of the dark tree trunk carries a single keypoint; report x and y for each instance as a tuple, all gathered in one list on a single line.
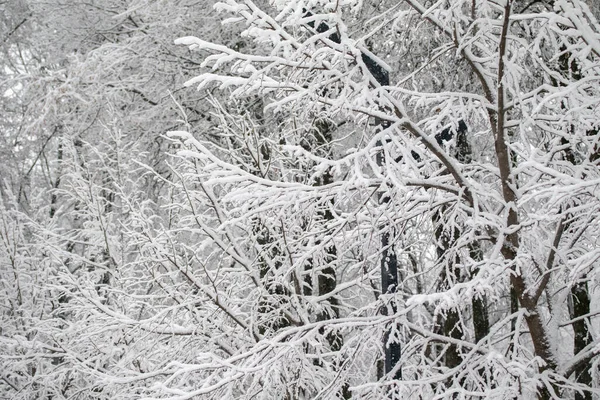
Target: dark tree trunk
[(319, 141), (54, 196), (446, 237), (451, 326), (389, 262), (389, 284), (582, 337), (579, 292), (481, 321)]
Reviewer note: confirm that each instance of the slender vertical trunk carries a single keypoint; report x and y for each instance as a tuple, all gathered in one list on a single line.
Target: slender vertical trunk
[(514, 307), (54, 196), (446, 236), (511, 242), (445, 239), (389, 285), (389, 260), (481, 321), (580, 299), (579, 292), (582, 337), (327, 278)]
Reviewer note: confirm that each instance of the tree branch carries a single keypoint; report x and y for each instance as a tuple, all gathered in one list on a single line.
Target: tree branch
[(581, 358), (550, 262)]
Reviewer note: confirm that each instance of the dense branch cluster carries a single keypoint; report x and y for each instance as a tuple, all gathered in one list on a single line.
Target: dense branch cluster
[(299, 199)]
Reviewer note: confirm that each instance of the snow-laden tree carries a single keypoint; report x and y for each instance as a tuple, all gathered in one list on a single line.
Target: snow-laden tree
[(506, 218), (87, 91), (363, 200)]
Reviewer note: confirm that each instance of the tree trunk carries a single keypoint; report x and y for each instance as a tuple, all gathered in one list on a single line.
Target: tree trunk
[(582, 337)]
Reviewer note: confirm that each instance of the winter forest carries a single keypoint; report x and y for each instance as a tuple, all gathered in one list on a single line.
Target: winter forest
[(299, 199)]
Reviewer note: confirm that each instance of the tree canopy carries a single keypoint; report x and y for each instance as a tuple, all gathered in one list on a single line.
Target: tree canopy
[(299, 199)]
